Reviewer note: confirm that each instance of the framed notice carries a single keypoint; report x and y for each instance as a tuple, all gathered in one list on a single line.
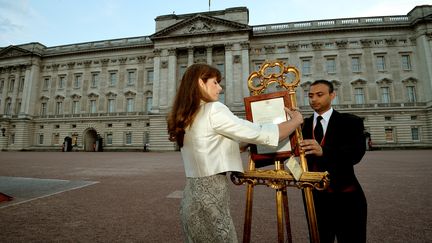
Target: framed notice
[(269, 108)]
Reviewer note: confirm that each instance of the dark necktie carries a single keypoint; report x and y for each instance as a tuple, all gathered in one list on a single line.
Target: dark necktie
[(318, 131)]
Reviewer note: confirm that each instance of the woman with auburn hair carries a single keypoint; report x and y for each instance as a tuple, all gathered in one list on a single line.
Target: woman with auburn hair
[(209, 134)]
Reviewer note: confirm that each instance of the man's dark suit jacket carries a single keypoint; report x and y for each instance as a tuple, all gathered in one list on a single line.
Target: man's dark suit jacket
[(343, 146)]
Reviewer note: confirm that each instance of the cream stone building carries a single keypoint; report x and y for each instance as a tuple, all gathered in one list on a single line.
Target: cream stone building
[(118, 92)]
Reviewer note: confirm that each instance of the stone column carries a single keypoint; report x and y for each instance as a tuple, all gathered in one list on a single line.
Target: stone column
[(190, 56), (156, 81), (29, 96), (209, 55), (229, 75), (245, 68), (172, 68)]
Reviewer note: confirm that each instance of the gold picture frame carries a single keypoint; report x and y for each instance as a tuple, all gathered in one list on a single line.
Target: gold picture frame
[(269, 108)]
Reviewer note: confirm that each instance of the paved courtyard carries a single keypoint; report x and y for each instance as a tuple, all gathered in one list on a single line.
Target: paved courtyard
[(134, 197)]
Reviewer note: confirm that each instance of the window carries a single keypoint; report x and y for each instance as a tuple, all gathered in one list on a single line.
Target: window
[(8, 107), (59, 107), (355, 64), (21, 84), (149, 102), (131, 77), (359, 95), (111, 105), (77, 81), (411, 94), (129, 104), (331, 65), (182, 70), (406, 62), (306, 67), (92, 106), (17, 107), (112, 79), (11, 85), (61, 82), (12, 138), (95, 80), (56, 139), (43, 109), (109, 139), (415, 134), (46, 84), (305, 97), (75, 107), (221, 68), (1, 85), (389, 134), (128, 138), (150, 76), (380, 63), (385, 95), (335, 101), (41, 139)]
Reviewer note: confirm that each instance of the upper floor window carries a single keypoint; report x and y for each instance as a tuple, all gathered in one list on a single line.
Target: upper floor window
[(59, 107), (43, 109), (111, 105), (306, 66), (77, 81), (385, 95), (8, 107), (129, 104), (46, 83), (355, 64), (61, 82), (406, 62), (359, 96), (411, 94), (94, 80), (149, 101), (1, 85), (21, 84), (221, 68), (150, 76), (331, 65), (380, 63), (131, 78), (112, 79), (75, 107), (92, 106), (11, 85)]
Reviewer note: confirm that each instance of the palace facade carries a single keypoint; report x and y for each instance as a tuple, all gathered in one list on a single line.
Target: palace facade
[(117, 93)]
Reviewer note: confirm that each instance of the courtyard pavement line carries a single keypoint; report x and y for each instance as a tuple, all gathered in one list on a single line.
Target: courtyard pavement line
[(15, 203)]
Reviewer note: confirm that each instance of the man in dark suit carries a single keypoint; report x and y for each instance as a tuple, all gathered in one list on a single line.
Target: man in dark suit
[(335, 142)]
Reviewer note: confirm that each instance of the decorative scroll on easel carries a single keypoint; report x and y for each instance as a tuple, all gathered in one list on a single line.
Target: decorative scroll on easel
[(269, 107)]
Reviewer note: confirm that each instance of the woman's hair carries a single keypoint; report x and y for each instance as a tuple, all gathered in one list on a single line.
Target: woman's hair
[(187, 101)]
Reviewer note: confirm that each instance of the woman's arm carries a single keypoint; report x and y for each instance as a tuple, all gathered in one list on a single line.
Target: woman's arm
[(288, 127)]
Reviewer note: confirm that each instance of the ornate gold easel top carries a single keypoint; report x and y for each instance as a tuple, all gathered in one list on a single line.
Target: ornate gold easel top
[(265, 79)]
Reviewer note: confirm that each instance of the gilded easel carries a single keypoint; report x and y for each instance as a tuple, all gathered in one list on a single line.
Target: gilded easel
[(279, 178)]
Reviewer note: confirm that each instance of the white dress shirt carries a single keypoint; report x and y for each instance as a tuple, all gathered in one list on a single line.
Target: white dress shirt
[(211, 143), (326, 118)]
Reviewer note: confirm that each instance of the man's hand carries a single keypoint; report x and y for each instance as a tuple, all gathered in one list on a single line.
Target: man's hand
[(311, 146)]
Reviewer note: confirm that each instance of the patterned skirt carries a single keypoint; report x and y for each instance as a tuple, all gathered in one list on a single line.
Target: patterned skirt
[(205, 212)]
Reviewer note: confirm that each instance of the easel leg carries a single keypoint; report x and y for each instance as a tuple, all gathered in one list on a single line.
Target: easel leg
[(287, 217), (311, 216), (279, 208), (248, 214)]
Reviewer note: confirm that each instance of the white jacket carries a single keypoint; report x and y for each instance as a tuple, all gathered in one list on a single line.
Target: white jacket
[(211, 144)]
